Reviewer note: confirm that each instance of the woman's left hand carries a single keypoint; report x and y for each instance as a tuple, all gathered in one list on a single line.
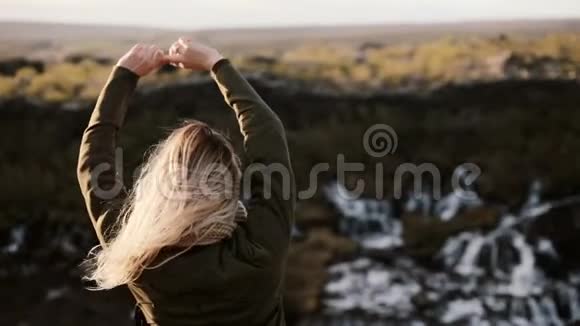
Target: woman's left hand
[(142, 59)]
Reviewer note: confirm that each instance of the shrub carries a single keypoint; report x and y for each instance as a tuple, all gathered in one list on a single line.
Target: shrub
[(8, 87)]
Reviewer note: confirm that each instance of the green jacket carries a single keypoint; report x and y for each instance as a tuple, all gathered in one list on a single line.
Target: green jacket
[(237, 281)]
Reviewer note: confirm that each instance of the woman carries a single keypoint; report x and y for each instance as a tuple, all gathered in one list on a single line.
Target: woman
[(187, 248)]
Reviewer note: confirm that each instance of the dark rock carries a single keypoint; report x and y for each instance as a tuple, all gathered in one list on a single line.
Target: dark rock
[(315, 212), (424, 235), (513, 65), (78, 58), (371, 46), (262, 60), (10, 67), (562, 227), (167, 69), (514, 131), (306, 268)]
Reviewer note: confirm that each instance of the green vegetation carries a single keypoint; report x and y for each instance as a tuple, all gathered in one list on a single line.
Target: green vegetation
[(345, 67), (63, 82), (445, 60)]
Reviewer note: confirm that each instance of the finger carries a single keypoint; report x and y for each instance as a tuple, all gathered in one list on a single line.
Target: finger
[(138, 48), (173, 48), (177, 48), (184, 41), (160, 57), (152, 51), (174, 58), (154, 48), (169, 57), (157, 56), (134, 49)]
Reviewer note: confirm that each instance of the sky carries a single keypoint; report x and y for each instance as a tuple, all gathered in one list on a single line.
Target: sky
[(259, 13)]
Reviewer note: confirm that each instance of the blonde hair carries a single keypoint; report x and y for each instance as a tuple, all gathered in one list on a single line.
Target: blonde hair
[(186, 194)]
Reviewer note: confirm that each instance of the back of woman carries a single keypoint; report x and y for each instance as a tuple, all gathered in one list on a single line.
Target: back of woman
[(188, 249), (213, 286)]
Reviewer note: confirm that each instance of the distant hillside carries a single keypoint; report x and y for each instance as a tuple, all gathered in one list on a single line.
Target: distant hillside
[(49, 41)]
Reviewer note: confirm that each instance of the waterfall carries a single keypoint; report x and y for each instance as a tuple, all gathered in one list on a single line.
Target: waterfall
[(574, 303), (369, 222), (488, 278), (16, 240), (524, 278), (467, 263)]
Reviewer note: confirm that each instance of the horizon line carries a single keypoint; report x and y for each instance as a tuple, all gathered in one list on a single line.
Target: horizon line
[(409, 23)]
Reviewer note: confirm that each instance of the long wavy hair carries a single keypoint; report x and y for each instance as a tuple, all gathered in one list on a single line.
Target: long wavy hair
[(186, 194)]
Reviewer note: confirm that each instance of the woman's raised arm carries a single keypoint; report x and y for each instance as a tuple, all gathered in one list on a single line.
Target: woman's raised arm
[(268, 180), (99, 167)]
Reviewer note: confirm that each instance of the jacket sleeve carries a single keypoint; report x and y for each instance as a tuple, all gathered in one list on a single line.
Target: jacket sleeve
[(99, 169), (268, 179)]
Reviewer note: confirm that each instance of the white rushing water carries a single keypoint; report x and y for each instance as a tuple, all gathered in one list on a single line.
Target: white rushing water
[(488, 277), (368, 221)]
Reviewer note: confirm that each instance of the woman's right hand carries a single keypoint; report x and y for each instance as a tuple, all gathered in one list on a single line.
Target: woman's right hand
[(193, 55)]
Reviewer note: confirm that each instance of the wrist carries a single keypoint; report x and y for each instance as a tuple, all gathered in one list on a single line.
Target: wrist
[(121, 69), (212, 60), (126, 67)]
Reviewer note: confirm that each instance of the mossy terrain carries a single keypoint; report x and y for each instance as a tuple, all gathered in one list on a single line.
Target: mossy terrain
[(429, 64), (370, 67)]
